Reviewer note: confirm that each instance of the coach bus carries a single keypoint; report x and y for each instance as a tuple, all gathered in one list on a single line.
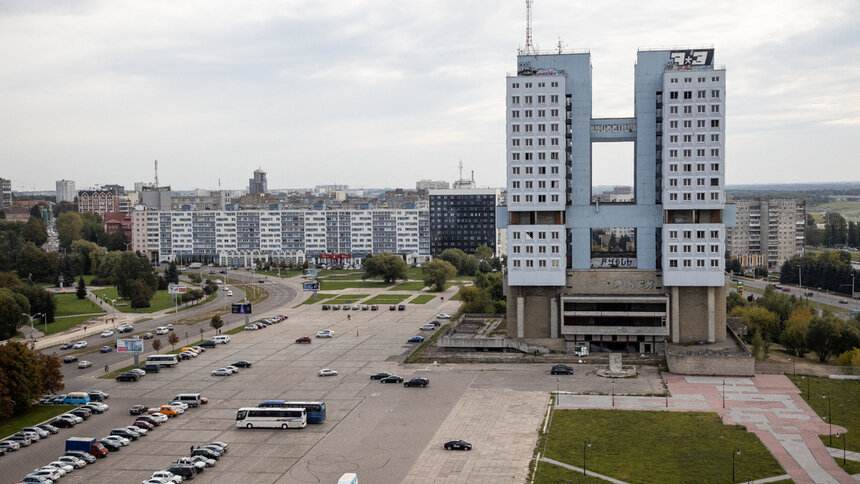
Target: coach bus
[(270, 418), (315, 410)]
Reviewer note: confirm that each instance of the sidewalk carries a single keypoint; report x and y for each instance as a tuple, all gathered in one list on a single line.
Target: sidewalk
[(769, 406)]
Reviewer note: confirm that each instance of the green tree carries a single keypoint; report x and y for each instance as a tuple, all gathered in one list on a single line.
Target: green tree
[(173, 339), (38, 299), (759, 319), (216, 322), (50, 373), (210, 287), (793, 337), (172, 274), (455, 256), (11, 313), (484, 252), (849, 358), (139, 293), (93, 227), (11, 242), (69, 227), (389, 266), (64, 273), (124, 267), (757, 345), (36, 262), (733, 264), (437, 273), (115, 241), (476, 300), (86, 257), (822, 336), (734, 300), (64, 207), (35, 231), (81, 291)]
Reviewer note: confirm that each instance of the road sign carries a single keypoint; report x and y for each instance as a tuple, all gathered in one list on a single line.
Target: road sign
[(176, 288), (311, 286), (129, 345), (241, 308)]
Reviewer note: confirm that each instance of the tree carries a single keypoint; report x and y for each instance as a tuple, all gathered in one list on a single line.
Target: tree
[(124, 267), (733, 264), (476, 300), (173, 339), (192, 295), (822, 336), (35, 231), (437, 273), (172, 274), (849, 358), (454, 256), (64, 273), (81, 291), (483, 252), (216, 323), (793, 337), (50, 373), (93, 227), (391, 267), (115, 241), (37, 299), (22, 385), (156, 344), (757, 345), (86, 257), (139, 293), (210, 287), (759, 319), (11, 312), (734, 300), (35, 261), (69, 226)]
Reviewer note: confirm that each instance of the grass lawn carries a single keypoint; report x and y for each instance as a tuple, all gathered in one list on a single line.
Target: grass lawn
[(850, 466), (323, 273), (320, 297), (409, 286), (422, 299), (237, 329), (337, 285), (63, 324), (457, 297), (70, 305), (37, 414), (414, 273), (552, 474), (347, 298), (159, 301), (388, 299), (355, 276), (284, 273), (844, 407), (658, 447)]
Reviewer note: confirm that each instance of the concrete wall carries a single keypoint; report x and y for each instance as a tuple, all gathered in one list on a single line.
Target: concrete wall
[(614, 281), (537, 303), (710, 364), (692, 315)]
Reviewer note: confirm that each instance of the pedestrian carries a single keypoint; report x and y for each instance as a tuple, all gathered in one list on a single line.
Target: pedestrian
[(348, 317), (356, 333), (192, 450)]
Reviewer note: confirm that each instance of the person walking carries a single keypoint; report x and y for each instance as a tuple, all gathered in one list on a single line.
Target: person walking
[(348, 317), (192, 450)]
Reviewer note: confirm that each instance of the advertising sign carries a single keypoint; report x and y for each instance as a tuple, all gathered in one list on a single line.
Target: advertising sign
[(604, 262), (176, 289), (335, 256), (311, 286), (241, 308), (129, 345)]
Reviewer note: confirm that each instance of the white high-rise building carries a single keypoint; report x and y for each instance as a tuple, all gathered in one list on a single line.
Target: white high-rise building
[(66, 191)]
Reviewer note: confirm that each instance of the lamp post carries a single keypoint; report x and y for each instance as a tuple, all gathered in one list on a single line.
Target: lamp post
[(829, 417), (737, 451), (45, 318), (556, 391), (113, 318), (613, 392), (585, 445), (803, 377), (844, 448), (32, 317), (724, 393)]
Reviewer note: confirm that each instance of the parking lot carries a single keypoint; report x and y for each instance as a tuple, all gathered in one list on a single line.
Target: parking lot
[(383, 432)]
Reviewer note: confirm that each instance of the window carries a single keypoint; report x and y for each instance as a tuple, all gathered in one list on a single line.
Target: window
[(515, 85), (554, 84), (553, 98), (700, 167), (673, 167), (673, 153), (673, 124), (700, 108), (700, 152), (515, 114), (715, 249), (700, 248), (688, 124), (688, 138), (528, 113), (673, 249), (715, 93), (715, 138), (530, 263), (555, 236), (516, 262), (688, 167), (673, 95), (516, 198), (528, 170), (541, 263), (715, 108), (674, 80), (515, 170), (715, 234), (516, 236), (529, 141), (673, 138), (673, 109), (541, 99), (700, 123), (541, 170), (715, 196), (529, 199), (515, 184), (555, 249), (700, 138), (528, 184), (700, 94), (687, 197), (541, 128), (715, 152), (528, 99), (553, 170), (688, 94), (687, 263), (554, 141), (700, 182), (530, 249), (541, 141), (673, 197), (715, 263), (673, 182), (516, 249), (687, 153), (515, 99), (673, 262), (700, 197), (553, 127), (715, 79), (715, 182), (715, 167), (715, 123), (688, 109), (700, 263), (515, 156), (554, 112), (687, 182), (673, 234), (515, 142)]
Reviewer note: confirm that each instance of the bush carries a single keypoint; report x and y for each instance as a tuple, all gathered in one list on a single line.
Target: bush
[(849, 358)]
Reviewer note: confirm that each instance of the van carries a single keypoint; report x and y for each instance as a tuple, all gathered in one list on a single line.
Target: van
[(221, 339), (161, 330), (192, 399), (77, 398)]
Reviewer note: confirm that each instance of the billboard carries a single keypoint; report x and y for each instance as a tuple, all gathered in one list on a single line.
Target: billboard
[(335, 256), (241, 308), (129, 345), (176, 289), (310, 286)]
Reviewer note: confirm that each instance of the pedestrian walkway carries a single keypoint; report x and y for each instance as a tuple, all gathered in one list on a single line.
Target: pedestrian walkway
[(769, 406), (579, 469)]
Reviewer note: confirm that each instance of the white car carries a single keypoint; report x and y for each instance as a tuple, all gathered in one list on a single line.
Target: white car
[(79, 345), (189, 462), (221, 372), (119, 439), (169, 327), (58, 470), (199, 458), (72, 461), (155, 481), (73, 417), (62, 465), (443, 316), (326, 333), (48, 472), (327, 372), (179, 405), (167, 476), (160, 417), (107, 334), (232, 368)]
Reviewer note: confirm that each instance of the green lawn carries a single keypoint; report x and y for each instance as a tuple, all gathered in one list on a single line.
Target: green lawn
[(414, 273), (422, 299), (63, 324), (552, 474), (845, 395), (388, 299), (347, 298), (284, 273), (237, 329), (337, 285), (409, 286), (159, 301), (320, 297), (70, 305), (355, 276), (457, 297), (657, 447), (37, 414)]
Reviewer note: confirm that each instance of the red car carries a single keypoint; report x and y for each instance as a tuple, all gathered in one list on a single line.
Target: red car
[(304, 339)]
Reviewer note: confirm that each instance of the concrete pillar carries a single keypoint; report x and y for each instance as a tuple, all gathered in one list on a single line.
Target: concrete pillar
[(711, 315), (521, 312), (553, 317), (675, 316)]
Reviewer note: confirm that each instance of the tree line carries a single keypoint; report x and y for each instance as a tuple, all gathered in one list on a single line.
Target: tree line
[(26, 375), (837, 232), (826, 270)]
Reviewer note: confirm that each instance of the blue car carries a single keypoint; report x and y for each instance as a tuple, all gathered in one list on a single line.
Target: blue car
[(105, 349), (415, 339)]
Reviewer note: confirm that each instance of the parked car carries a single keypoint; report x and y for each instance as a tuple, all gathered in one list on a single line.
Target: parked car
[(85, 364), (166, 476), (561, 370), (242, 364), (148, 336), (138, 409), (365, 307), (427, 327), (206, 453), (111, 445), (70, 359), (209, 344), (843, 301), (401, 307), (50, 428), (10, 445), (148, 419), (326, 307), (374, 307), (128, 376), (63, 423), (105, 349), (42, 432), (125, 328), (72, 461), (379, 376), (186, 472), (142, 424), (327, 372), (304, 339), (435, 323), (221, 372), (392, 308), (415, 339), (457, 445), (79, 345), (416, 382), (335, 307), (443, 316), (107, 333), (326, 333), (391, 379)]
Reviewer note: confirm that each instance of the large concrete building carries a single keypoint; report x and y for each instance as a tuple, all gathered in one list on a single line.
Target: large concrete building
[(244, 237), (768, 231), (98, 201), (463, 219), (5, 193), (66, 191), (258, 184), (565, 285)]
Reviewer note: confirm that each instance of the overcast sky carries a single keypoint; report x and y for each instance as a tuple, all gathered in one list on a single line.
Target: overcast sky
[(383, 93)]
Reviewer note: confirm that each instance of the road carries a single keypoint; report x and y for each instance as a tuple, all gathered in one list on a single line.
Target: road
[(821, 297)]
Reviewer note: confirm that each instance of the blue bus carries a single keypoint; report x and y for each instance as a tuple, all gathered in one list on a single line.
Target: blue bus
[(315, 410)]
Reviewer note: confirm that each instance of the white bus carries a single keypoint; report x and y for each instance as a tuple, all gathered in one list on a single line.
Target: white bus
[(255, 417), (162, 360)]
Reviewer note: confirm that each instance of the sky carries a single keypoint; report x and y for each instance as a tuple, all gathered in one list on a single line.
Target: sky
[(380, 93)]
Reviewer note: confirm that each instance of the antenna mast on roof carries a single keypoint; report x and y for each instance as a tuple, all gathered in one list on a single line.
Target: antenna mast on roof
[(156, 173), (529, 49), (461, 169)]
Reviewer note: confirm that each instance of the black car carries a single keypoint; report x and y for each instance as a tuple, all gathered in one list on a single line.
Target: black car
[(208, 344), (401, 307), (49, 428), (326, 307), (186, 472), (435, 323), (561, 370), (392, 308), (206, 453), (66, 346), (416, 382), (374, 308), (242, 364), (128, 376), (184, 356), (63, 423), (379, 376), (111, 445), (82, 412), (392, 379), (125, 433), (70, 359), (335, 307), (93, 408), (84, 456), (457, 445), (138, 409)]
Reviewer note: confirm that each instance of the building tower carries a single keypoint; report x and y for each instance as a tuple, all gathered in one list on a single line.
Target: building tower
[(258, 184), (625, 276), (66, 191)]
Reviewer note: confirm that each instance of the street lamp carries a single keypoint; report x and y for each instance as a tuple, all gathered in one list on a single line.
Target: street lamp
[(808, 395), (613, 392), (556, 391), (737, 451), (724, 393), (32, 317), (585, 445), (844, 451), (829, 417), (113, 318)]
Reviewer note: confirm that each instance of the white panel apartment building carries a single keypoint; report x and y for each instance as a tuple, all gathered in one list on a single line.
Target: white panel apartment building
[(242, 237)]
